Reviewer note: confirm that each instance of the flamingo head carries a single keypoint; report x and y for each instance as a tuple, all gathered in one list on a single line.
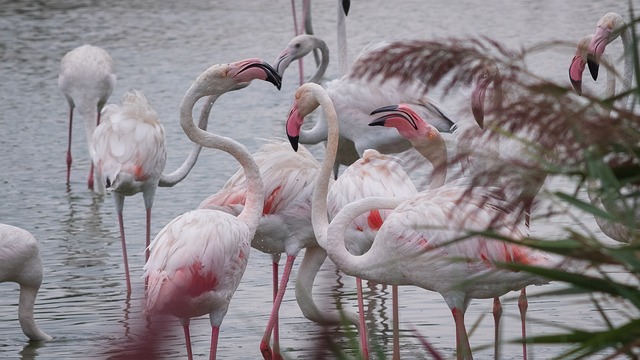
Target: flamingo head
[(422, 135), (478, 94), (221, 78), (304, 103), (606, 30), (297, 48), (578, 63)]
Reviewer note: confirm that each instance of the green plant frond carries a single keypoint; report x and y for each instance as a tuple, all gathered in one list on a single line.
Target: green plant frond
[(584, 206), (591, 283)]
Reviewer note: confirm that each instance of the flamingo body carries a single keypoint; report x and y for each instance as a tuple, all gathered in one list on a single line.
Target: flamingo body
[(20, 263), (87, 79)]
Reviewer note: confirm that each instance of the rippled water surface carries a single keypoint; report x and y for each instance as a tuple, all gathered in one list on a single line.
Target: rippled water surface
[(160, 47)]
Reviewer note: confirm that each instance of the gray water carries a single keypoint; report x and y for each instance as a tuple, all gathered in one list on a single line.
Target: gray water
[(160, 47)]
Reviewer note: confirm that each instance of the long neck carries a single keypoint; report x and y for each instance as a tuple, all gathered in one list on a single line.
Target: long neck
[(313, 259), (254, 204), (316, 134), (343, 64), (169, 180), (324, 63), (437, 157), (369, 264), (25, 314), (627, 44), (319, 216)]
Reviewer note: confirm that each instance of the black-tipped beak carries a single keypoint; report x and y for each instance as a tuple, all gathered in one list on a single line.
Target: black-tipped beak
[(385, 109), (346, 4), (593, 66), (272, 75), (293, 140), (577, 86), (379, 121)]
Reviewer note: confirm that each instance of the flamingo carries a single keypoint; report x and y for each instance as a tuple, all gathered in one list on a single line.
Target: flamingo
[(610, 27), (416, 244), (197, 260), (613, 229), (128, 149), (87, 78), (285, 227), (354, 99), (20, 263)]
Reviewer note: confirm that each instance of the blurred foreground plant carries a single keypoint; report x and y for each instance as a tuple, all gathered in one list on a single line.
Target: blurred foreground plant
[(591, 141)]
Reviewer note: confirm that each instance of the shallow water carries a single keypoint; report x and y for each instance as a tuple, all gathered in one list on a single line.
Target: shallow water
[(160, 47)]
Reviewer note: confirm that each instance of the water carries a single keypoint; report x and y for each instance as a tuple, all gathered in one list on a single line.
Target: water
[(160, 47)]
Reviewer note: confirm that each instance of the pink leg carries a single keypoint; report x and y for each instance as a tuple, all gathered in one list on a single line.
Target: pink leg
[(69, 158), (523, 304), (267, 353), (396, 322), (463, 348), (295, 28), (364, 345), (497, 314), (187, 337), (124, 252), (214, 342), (276, 330)]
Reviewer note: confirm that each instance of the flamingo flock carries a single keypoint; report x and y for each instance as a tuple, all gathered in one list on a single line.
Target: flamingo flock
[(370, 219)]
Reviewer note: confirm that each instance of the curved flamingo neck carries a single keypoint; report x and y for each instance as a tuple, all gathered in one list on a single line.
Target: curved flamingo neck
[(203, 86), (324, 63), (171, 179), (25, 314)]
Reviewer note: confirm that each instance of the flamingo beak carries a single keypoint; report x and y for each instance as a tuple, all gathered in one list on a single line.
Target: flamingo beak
[(383, 119), (575, 73), (272, 75)]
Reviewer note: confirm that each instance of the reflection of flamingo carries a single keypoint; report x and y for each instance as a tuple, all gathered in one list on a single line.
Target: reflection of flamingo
[(20, 262), (609, 27), (129, 151), (87, 79), (412, 248), (196, 261)]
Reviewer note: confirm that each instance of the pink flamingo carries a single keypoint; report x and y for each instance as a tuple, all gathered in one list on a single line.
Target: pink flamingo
[(129, 151), (20, 263), (412, 248), (87, 78), (285, 227), (197, 260)]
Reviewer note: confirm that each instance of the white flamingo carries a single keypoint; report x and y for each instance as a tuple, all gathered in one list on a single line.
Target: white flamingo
[(197, 260), (20, 263), (614, 229), (610, 27), (87, 78), (128, 149), (412, 248)]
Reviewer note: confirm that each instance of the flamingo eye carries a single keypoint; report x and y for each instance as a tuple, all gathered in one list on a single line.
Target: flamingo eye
[(431, 135)]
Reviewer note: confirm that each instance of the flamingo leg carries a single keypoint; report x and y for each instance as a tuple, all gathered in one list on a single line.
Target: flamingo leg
[(497, 314), (276, 330), (523, 305), (295, 29), (187, 337), (215, 331), (396, 322), (119, 200), (463, 348), (364, 345), (69, 158), (90, 181), (266, 351)]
